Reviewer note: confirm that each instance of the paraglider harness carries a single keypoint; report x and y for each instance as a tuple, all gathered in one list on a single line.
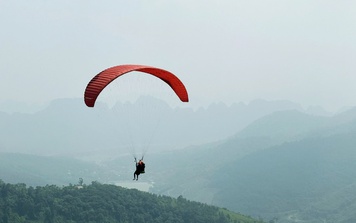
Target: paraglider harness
[(140, 166)]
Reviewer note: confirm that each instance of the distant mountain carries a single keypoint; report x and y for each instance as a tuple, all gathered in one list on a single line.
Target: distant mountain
[(285, 125), (308, 180), (68, 127), (266, 132), (42, 170), (10, 106), (287, 165)]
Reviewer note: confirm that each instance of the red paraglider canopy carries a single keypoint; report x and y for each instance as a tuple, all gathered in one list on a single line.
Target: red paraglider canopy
[(101, 80)]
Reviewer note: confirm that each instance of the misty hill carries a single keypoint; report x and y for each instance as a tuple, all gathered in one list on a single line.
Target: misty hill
[(311, 179), (67, 126), (284, 125), (10, 106), (287, 165), (266, 132), (36, 170), (102, 203)]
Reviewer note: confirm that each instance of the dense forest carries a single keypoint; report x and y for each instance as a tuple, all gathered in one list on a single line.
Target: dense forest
[(102, 203)]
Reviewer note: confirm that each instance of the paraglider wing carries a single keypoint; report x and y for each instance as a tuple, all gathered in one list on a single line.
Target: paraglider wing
[(101, 80)]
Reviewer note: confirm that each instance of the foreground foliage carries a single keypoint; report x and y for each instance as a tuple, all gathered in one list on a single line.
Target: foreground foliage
[(101, 203)]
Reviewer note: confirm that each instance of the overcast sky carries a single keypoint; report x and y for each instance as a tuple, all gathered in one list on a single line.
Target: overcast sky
[(223, 50)]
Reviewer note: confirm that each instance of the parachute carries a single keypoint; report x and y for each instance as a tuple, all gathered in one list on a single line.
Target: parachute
[(104, 78)]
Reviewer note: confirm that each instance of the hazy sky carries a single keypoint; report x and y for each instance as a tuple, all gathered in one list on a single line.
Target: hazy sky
[(223, 50)]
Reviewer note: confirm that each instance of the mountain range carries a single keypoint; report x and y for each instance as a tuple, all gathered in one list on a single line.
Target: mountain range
[(68, 127), (279, 163), (288, 165)]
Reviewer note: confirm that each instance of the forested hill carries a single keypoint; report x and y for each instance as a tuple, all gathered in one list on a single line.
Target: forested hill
[(102, 203)]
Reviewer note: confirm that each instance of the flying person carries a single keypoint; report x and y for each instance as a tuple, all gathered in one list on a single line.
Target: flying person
[(140, 168), (99, 82)]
